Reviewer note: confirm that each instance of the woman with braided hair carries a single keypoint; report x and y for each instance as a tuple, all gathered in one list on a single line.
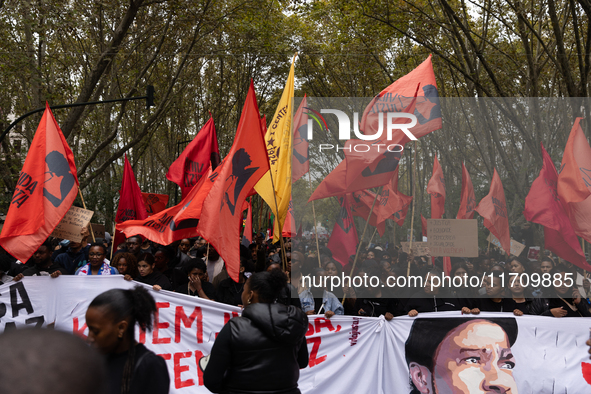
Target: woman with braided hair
[(111, 318)]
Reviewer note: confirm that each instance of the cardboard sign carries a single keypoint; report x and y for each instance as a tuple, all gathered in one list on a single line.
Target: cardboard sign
[(452, 237), (516, 247), (98, 230), (418, 248), (71, 225)]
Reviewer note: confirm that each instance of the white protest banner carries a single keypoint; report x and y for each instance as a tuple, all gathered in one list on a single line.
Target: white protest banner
[(532, 354), (452, 237)]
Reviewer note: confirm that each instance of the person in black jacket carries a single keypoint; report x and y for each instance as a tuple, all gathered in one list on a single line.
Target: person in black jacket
[(263, 350)]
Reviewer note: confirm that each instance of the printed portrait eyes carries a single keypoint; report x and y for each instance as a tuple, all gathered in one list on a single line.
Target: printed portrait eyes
[(508, 365)]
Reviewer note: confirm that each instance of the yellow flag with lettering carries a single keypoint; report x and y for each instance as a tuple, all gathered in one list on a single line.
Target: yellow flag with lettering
[(278, 140)]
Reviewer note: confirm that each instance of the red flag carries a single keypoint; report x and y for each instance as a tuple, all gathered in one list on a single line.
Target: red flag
[(299, 161), (371, 174), (289, 229), (423, 225), (343, 240), (131, 204), (574, 181), (468, 199), (299, 233), (176, 222), (436, 188), (494, 211), (154, 202), (246, 163), (361, 203), (542, 206), (46, 188), (195, 160), (393, 204), (396, 98), (248, 225)]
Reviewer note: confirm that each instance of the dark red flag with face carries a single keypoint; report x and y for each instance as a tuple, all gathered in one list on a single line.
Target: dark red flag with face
[(244, 165), (195, 160)]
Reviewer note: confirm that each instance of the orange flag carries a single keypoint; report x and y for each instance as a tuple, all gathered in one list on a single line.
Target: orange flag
[(393, 204), (436, 188), (360, 204), (574, 181), (398, 95), (423, 226), (468, 199), (494, 211), (289, 229), (176, 222), (46, 188), (244, 165), (154, 202)]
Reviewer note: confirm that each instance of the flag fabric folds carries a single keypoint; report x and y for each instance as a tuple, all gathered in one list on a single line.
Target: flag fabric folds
[(415, 93), (131, 204), (360, 206), (343, 240), (46, 188), (398, 96), (155, 202), (574, 181), (300, 163), (468, 199), (195, 160), (174, 223), (436, 188), (494, 211), (243, 167), (543, 206), (278, 141), (248, 224), (393, 204)]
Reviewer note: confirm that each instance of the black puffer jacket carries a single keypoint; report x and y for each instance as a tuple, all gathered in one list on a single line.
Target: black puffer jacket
[(260, 352)]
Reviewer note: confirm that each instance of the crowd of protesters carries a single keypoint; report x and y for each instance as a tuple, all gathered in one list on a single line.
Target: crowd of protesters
[(195, 268)]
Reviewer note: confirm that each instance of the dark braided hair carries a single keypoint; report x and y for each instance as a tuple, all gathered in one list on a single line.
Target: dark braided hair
[(268, 285), (135, 305)]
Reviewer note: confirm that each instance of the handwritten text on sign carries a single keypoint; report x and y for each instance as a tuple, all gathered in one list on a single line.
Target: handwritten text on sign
[(452, 237), (75, 220)]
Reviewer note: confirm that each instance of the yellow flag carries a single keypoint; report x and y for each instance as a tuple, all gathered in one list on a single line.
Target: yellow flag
[(279, 144)]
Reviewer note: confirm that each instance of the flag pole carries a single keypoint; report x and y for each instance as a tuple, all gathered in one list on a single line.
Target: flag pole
[(363, 235), (414, 203), (315, 223), (283, 253), (373, 235), (113, 240), (84, 205)]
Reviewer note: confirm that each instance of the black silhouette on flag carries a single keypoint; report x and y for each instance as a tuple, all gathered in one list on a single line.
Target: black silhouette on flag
[(58, 168), (240, 175), (388, 163)]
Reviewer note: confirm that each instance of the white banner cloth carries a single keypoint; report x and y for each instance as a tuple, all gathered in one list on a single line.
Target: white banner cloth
[(347, 354)]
